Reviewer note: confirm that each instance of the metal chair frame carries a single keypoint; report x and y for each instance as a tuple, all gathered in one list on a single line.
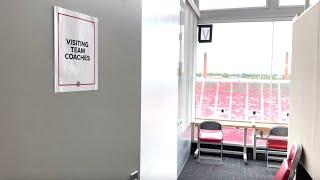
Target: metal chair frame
[(276, 131), (209, 125)]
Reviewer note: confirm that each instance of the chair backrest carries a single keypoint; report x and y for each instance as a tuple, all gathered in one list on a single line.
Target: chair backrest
[(292, 153), (294, 158), (284, 171), (279, 131), (210, 125)]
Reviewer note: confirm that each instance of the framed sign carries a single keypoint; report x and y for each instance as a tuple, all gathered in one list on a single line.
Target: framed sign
[(76, 51), (205, 33)]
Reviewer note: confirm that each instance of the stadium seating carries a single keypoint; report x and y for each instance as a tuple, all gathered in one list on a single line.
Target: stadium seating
[(266, 102)]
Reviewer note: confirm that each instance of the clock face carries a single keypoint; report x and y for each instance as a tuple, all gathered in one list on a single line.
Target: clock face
[(205, 33)]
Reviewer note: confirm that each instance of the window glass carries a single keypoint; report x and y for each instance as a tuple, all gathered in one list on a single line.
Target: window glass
[(281, 71), (244, 74), (236, 59), (291, 2), (238, 103), (312, 2), (255, 100), (229, 4)]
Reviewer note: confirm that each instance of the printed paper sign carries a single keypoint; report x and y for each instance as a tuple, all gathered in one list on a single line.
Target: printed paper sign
[(76, 51), (205, 33)]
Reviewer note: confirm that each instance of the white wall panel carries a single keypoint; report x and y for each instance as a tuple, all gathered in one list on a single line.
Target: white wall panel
[(159, 93), (91, 135), (305, 89)]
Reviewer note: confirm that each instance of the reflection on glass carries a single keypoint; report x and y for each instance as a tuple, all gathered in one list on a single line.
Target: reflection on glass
[(229, 4)]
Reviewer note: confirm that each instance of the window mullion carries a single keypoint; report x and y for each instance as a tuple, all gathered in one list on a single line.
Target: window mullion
[(306, 4), (273, 4)]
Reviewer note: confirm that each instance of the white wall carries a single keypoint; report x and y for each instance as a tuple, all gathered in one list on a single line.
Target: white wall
[(159, 93), (304, 121), (82, 135)]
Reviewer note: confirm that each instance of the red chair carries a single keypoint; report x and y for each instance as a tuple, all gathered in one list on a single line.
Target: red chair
[(277, 144), (209, 132), (284, 171), (294, 158), (288, 167)]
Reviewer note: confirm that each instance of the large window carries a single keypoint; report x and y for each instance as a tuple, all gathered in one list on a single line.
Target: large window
[(230, 4), (248, 72)]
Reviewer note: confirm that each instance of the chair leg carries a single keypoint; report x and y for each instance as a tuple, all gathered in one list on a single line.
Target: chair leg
[(199, 152), (267, 154), (196, 154), (221, 153)]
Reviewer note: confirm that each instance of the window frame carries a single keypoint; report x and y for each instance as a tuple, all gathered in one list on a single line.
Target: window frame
[(272, 12), (292, 4), (231, 8)]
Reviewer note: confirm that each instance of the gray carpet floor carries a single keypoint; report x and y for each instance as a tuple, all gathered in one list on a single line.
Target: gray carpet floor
[(231, 169)]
